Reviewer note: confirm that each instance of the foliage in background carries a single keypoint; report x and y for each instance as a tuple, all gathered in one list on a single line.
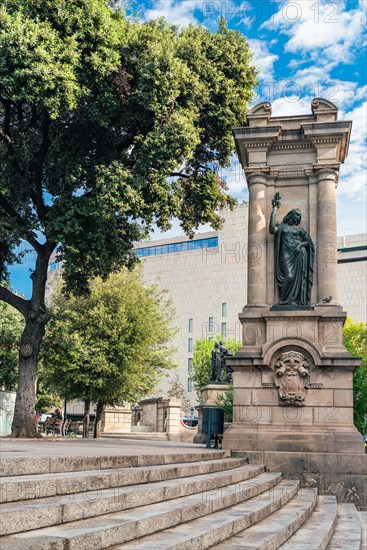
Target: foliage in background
[(106, 126), (202, 370), (355, 340), (225, 401), (178, 391), (11, 328), (48, 398), (112, 345)]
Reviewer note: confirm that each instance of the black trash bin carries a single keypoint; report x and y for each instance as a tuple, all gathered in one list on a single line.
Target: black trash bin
[(213, 422)]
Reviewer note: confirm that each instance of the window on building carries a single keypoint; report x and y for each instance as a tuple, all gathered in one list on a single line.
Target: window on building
[(224, 329), (189, 344), (170, 248), (190, 365), (191, 325), (189, 384), (211, 324), (224, 310)]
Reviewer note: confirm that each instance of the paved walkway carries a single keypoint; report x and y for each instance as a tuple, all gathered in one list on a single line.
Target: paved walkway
[(14, 448)]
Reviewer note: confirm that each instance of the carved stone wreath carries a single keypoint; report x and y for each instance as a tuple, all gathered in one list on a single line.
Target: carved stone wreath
[(292, 378)]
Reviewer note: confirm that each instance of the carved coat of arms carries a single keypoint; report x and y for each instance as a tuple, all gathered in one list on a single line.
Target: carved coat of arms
[(292, 378)]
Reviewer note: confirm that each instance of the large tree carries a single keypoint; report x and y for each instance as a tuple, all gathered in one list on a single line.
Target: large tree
[(111, 346), (106, 126)]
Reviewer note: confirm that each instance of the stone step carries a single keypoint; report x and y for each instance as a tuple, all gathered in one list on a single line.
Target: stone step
[(56, 464), (17, 488), (140, 436), (317, 531), (212, 529), (273, 531), (121, 527), (35, 514), (348, 530)]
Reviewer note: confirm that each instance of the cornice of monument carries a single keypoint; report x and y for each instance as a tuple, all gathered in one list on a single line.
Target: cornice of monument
[(258, 133), (320, 131)]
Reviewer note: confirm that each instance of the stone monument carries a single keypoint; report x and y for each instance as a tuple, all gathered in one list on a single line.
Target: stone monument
[(292, 377)]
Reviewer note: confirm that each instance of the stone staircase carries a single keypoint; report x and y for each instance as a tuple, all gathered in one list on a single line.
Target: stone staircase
[(197, 500)]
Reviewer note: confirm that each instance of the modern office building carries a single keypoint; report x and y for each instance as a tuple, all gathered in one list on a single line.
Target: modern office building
[(207, 280)]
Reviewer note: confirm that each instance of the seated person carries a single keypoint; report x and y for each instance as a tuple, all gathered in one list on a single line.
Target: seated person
[(55, 422)]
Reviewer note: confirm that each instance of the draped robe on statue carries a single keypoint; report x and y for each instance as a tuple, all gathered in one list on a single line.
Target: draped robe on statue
[(294, 257)]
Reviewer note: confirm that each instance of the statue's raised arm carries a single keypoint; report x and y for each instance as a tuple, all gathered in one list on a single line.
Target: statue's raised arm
[(275, 204)]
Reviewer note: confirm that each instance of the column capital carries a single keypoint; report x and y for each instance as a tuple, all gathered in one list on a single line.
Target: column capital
[(327, 172), (257, 175)]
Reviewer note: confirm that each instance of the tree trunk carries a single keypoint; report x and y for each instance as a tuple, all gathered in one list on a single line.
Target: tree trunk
[(24, 425), (86, 419), (98, 421), (34, 312)]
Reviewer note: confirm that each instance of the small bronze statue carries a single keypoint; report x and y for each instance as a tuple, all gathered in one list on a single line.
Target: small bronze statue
[(216, 364), (220, 373), (294, 257)]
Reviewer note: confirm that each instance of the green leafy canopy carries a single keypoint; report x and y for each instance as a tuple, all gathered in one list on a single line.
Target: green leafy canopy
[(112, 345), (108, 125)]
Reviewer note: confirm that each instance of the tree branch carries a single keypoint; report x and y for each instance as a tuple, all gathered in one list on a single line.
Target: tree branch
[(37, 197), (22, 224), (179, 174), (21, 304)]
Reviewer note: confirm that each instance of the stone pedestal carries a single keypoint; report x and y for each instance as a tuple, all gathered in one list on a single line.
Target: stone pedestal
[(209, 394), (278, 409)]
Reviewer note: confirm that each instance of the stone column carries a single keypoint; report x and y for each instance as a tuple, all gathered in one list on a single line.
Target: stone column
[(326, 245), (257, 233)]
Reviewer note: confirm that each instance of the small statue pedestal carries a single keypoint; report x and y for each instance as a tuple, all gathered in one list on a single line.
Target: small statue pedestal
[(209, 394)]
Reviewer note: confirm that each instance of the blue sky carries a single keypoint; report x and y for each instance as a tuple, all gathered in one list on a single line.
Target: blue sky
[(303, 49)]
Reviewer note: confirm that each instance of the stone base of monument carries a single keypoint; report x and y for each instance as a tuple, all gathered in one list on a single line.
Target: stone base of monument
[(209, 394), (293, 398), (343, 475)]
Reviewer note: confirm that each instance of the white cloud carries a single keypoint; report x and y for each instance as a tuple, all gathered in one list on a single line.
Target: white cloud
[(351, 213), (184, 12), (263, 59), (284, 106), (326, 31), (235, 178), (354, 171), (177, 13)]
